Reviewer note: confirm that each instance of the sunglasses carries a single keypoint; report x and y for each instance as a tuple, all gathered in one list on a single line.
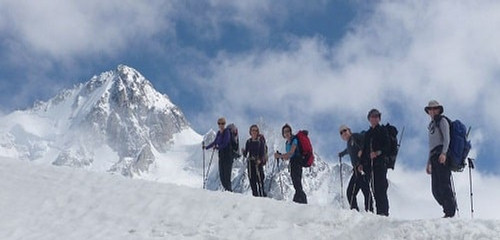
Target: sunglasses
[(254, 130), (343, 131), (433, 108), (221, 123)]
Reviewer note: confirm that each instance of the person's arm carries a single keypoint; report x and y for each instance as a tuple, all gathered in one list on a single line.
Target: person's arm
[(213, 143), (261, 149), (245, 150), (343, 153), (445, 130), (290, 153)]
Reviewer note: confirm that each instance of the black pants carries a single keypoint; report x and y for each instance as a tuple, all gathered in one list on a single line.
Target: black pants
[(256, 177), (380, 186), (296, 174), (441, 184), (225, 168), (356, 183)]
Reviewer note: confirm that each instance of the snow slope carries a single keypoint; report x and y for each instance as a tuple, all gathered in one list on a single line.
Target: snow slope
[(40, 202)]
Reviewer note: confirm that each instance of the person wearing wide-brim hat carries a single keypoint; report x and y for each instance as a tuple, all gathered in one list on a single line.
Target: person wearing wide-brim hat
[(439, 141), (433, 104)]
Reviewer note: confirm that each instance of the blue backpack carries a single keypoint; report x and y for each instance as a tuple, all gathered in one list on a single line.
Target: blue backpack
[(459, 145)]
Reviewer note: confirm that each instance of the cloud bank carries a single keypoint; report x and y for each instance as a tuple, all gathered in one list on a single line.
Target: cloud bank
[(396, 59)]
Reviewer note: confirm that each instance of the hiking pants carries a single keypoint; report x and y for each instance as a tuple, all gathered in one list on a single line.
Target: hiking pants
[(225, 168), (256, 184), (441, 183), (296, 174), (356, 183), (380, 187)]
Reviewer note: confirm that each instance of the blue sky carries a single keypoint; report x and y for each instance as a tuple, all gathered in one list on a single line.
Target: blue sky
[(314, 64)]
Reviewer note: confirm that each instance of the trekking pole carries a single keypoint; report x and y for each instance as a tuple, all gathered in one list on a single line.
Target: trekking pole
[(249, 169), (208, 169), (454, 194), (246, 172), (259, 180), (271, 178), (203, 147), (341, 183), (372, 186), (279, 175), (401, 137), (372, 180), (353, 190), (471, 166)]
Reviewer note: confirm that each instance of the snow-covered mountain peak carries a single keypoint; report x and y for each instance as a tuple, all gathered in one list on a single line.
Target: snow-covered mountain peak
[(116, 121)]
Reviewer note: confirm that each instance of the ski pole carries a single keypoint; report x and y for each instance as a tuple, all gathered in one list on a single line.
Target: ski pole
[(471, 166), (208, 169), (203, 147), (341, 182)]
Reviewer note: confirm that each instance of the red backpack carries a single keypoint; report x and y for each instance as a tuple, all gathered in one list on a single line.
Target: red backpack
[(305, 148)]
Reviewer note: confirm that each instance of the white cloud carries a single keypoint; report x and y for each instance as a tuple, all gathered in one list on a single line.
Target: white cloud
[(397, 59), (62, 29)]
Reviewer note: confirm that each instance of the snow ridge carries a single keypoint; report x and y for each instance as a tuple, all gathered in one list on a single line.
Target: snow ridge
[(44, 202)]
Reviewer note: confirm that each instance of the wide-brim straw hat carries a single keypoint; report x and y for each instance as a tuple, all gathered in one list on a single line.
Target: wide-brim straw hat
[(433, 104)]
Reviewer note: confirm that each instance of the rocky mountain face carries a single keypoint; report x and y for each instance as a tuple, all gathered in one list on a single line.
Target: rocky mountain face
[(117, 112)]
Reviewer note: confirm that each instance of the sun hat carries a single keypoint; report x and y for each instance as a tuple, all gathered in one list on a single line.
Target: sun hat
[(434, 104)]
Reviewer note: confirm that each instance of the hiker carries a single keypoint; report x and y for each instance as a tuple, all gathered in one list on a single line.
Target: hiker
[(222, 143), (254, 147), (292, 154), (375, 149), (359, 179), (437, 165)]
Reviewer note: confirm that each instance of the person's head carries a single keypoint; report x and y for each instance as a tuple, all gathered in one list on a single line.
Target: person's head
[(345, 132), (221, 122), (286, 131), (374, 117), (434, 108), (254, 131)]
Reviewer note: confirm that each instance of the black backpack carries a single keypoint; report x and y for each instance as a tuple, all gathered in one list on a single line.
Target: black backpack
[(392, 131), (234, 142)]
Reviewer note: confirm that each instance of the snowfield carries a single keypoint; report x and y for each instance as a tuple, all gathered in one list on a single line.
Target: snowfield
[(46, 202)]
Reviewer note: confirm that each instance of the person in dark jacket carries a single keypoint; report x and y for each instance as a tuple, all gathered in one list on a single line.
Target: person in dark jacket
[(359, 180), (439, 141), (292, 154), (376, 147), (222, 143), (254, 148)]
